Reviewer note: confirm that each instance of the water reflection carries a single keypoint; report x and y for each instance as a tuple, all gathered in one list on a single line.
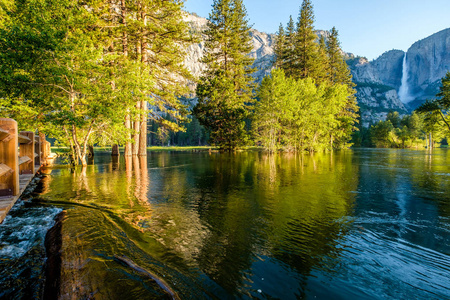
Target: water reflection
[(214, 215), (255, 225)]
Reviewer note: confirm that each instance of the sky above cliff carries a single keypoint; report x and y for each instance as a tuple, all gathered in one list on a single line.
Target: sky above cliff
[(366, 28)]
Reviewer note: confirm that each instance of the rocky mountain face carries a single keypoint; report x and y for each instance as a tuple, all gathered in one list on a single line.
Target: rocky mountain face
[(263, 49), (377, 84), (427, 60), (378, 81)]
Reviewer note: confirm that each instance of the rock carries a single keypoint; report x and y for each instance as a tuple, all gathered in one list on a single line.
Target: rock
[(428, 61), (377, 84), (262, 52)]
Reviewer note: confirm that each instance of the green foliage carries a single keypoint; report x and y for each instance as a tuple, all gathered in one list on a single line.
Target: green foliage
[(297, 53), (297, 115), (437, 109), (409, 131), (74, 69), (382, 134), (194, 135), (225, 91), (300, 57), (394, 118)]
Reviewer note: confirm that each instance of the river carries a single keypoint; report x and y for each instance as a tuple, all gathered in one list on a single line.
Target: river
[(356, 224)]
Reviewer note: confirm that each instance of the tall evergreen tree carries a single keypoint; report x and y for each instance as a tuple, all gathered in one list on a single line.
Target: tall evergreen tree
[(225, 90), (289, 56), (307, 61), (280, 47), (339, 73)]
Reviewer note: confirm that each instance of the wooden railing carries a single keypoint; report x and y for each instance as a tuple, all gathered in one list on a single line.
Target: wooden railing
[(20, 154)]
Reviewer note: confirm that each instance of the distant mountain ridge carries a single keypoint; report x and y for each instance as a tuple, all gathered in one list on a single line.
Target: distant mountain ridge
[(378, 81)]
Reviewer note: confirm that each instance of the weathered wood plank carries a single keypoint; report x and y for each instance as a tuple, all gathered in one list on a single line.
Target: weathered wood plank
[(3, 134), (24, 139), (9, 156), (4, 169), (24, 159)]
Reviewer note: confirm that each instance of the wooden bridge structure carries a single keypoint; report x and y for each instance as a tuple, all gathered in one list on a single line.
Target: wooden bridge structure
[(21, 156)]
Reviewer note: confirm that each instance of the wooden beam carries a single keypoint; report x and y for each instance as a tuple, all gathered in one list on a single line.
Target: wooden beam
[(4, 170), (24, 159), (9, 155), (3, 134), (37, 150), (24, 139), (27, 150)]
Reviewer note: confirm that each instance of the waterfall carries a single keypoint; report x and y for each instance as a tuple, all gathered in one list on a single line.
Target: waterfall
[(403, 92)]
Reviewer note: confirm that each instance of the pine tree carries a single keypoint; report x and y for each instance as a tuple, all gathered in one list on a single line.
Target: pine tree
[(307, 62), (225, 91), (323, 62), (280, 47), (339, 73)]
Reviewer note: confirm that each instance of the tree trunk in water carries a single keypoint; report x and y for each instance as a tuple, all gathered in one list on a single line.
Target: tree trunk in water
[(144, 116), (128, 145), (115, 150), (143, 135), (73, 156), (431, 141), (137, 128), (90, 151)]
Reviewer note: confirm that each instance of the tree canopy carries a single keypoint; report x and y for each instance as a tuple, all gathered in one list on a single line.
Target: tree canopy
[(76, 69), (225, 90)]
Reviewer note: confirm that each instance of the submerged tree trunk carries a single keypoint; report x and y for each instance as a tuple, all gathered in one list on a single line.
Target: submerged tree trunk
[(137, 129), (431, 141), (128, 145), (143, 104), (115, 150), (143, 134), (90, 151)]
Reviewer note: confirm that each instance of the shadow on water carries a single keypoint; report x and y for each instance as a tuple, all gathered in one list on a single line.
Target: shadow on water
[(354, 224)]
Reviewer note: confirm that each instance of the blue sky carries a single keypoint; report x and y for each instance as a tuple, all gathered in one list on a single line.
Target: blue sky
[(366, 27)]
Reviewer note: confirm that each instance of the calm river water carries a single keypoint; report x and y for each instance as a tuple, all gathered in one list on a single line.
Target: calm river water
[(358, 224)]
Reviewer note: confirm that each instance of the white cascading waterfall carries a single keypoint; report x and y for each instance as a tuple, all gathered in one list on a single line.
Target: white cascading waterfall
[(403, 92)]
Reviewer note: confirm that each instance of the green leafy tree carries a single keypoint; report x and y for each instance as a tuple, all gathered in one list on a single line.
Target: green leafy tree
[(79, 66), (57, 69), (225, 91), (296, 115), (272, 111), (382, 133), (439, 106), (395, 119)]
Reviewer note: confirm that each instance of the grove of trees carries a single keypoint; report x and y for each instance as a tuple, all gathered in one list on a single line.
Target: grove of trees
[(308, 101), (86, 71)]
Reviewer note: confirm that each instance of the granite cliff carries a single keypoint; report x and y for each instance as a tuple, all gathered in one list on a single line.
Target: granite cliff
[(377, 84), (263, 45), (379, 81), (428, 60)]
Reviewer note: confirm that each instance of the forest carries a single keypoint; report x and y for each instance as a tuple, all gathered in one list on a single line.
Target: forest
[(110, 72)]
